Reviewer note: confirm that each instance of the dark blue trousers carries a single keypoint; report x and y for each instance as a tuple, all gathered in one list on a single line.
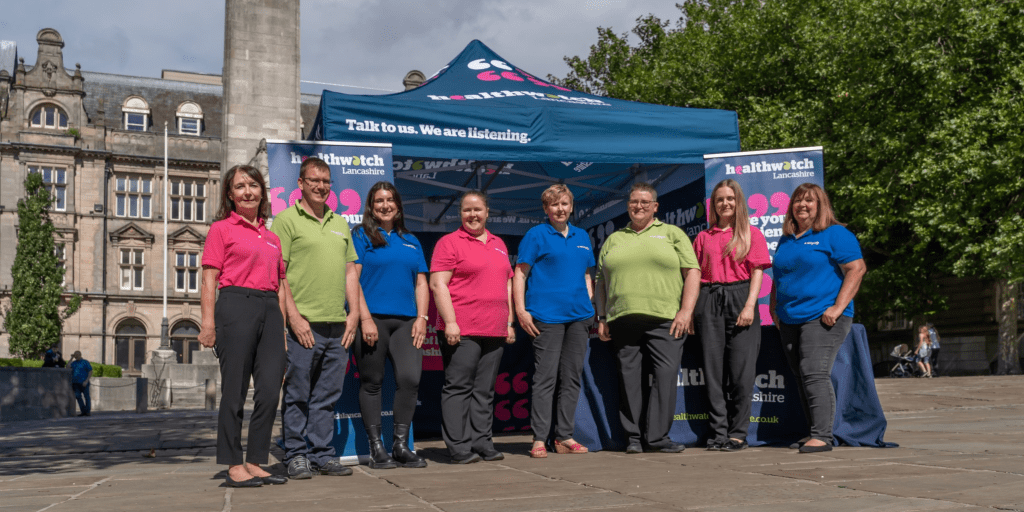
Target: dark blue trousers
[(312, 386)]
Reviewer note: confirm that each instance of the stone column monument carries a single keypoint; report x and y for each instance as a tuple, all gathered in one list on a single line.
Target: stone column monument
[(261, 76)]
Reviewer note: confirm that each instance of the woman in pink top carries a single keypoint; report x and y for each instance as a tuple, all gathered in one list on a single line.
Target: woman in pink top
[(245, 326), (471, 277), (732, 255)]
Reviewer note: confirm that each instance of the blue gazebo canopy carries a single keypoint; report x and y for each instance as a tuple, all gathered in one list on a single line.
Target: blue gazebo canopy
[(483, 123)]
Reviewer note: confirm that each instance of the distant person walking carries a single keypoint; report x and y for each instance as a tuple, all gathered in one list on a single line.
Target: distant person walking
[(933, 335), (924, 351), (81, 372)]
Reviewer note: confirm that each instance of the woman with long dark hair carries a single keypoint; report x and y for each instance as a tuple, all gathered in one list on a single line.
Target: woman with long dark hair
[(732, 255), (818, 270), (394, 298), (245, 326)]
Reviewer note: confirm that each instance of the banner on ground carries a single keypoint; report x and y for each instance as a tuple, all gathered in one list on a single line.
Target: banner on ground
[(355, 167), (767, 178)]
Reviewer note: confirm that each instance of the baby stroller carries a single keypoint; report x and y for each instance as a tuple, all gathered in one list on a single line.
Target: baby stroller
[(905, 363)]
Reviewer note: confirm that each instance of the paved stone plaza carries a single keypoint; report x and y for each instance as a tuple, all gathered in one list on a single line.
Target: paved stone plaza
[(961, 447)]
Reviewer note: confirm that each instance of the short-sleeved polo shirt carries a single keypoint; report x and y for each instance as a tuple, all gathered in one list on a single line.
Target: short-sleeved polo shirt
[(556, 290), (643, 271), (316, 254), (479, 283), (246, 255), (716, 268), (389, 272), (80, 369), (808, 275)]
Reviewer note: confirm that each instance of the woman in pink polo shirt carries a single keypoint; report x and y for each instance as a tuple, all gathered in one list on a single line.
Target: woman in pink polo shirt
[(471, 278), (245, 327), (732, 255)]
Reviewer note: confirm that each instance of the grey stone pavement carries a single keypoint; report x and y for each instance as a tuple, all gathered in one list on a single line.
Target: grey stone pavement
[(961, 447)]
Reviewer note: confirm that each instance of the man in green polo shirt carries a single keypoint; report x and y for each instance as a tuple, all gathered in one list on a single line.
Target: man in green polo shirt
[(321, 276), (647, 284)]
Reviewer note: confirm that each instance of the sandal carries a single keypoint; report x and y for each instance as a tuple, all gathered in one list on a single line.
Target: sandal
[(539, 452), (570, 447)]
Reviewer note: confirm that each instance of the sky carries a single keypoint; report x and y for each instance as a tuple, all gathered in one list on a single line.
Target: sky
[(368, 44)]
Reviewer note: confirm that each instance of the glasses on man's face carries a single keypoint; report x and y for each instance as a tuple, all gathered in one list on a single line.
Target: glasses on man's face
[(642, 203), (314, 182)]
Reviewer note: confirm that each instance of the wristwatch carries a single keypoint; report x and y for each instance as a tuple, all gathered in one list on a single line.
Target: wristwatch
[(425, 317), (601, 318)]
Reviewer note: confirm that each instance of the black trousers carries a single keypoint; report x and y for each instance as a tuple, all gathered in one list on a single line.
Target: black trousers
[(729, 351), (250, 343), (394, 342), (467, 398), (558, 354), (648, 358), (811, 350)]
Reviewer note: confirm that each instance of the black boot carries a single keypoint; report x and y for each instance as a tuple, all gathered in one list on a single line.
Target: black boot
[(400, 450), (379, 459)]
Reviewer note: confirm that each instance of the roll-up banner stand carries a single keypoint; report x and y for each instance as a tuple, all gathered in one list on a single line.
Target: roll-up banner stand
[(355, 167), (767, 178)]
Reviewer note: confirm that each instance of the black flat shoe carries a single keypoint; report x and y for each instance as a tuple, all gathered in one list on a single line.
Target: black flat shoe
[(815, 449), (252, 482), (734, 445), (274, 480), (491, 455), (714, 446), (634, 448), (465, 458), (670, 447), (798, 444)]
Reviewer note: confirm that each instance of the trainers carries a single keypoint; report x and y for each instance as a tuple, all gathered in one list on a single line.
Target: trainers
[(734, 445), (298, 468), (334, 467)]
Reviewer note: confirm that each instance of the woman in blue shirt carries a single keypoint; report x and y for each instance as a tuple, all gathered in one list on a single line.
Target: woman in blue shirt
[(818, 269), (393, 322), (553, 289)]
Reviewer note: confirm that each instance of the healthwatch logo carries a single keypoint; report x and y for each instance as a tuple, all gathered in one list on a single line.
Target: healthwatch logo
[(779, 170), (332, 159)]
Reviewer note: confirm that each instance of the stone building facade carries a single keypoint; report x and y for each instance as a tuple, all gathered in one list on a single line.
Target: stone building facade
[(98, 140)]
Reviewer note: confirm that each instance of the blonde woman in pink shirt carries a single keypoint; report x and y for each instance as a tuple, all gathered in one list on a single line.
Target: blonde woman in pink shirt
[(732, 255)]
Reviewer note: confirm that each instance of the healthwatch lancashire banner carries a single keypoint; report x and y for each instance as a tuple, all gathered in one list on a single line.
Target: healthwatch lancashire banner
[(767, 179), (355, 167)]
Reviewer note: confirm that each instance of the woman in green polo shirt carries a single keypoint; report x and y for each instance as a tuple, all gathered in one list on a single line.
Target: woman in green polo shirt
[(648, 280)]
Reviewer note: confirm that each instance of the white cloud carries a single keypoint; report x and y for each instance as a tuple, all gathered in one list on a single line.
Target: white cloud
[(369, 43)]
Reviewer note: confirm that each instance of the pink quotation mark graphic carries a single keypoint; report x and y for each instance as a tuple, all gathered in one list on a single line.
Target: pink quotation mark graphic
[(349, 199), (759, 203), (780, 200)]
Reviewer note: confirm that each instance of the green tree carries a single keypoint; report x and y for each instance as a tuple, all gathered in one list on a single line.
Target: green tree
[(918, 104), (34, 318)]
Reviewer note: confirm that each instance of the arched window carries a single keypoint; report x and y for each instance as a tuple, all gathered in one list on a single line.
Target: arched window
[(190, 118), (130, 345), (185, 340), (136, 114), (49, 116)]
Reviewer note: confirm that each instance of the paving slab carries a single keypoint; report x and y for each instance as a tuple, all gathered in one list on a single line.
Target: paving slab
[(961, 448)]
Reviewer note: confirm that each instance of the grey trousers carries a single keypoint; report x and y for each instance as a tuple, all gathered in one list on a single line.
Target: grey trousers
[(648, 358), (558, 353), (811, 349), (312, 386), (728, 350), (467, 398)]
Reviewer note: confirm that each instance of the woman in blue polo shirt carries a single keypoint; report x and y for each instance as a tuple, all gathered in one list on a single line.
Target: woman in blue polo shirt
[(393, 323), (552, 289), (818, 269)]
